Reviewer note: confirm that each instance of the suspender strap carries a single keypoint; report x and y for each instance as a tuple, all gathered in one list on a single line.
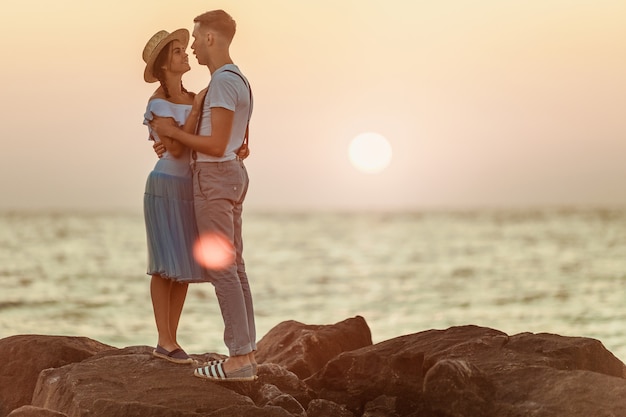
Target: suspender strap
[(245, 138), (251, 101)]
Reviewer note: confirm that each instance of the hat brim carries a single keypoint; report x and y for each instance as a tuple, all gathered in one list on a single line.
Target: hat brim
[(181, 35)]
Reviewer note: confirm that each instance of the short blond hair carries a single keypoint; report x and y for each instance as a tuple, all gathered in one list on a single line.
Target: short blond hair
[(219, 21)]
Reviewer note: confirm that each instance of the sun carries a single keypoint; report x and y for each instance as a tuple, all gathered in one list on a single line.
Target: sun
[(370, 152)]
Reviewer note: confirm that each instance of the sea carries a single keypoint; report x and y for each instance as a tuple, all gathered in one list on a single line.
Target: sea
[(558, 271)]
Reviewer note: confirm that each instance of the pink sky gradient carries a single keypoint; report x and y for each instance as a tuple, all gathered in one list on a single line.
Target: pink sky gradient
[(485, 103)]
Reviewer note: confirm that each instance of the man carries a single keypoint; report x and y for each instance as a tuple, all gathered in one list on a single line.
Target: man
[(220, 186)]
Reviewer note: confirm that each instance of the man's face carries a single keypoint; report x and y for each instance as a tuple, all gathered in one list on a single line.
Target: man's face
[(200, 45)]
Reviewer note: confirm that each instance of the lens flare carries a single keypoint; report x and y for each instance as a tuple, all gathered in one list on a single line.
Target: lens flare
[(214, 251)]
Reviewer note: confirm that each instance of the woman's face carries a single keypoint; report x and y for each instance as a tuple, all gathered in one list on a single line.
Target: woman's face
[(179, 60)]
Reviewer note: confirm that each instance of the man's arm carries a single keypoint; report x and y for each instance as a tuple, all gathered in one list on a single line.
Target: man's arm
[(214, 145)]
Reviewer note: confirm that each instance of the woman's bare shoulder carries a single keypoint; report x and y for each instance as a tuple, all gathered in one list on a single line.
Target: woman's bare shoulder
[(187, 98), (158, 93)]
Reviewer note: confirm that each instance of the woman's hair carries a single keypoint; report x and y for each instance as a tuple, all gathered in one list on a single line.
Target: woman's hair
[(160, 63), (219, 21)]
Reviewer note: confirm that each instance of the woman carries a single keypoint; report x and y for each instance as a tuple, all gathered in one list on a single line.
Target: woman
[(168, 201)]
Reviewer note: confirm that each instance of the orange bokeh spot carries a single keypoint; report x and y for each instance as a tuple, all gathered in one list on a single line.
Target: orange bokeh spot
[(214, 251)]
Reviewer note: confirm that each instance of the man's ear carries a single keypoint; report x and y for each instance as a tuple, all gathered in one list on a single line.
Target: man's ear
[(210, 38)]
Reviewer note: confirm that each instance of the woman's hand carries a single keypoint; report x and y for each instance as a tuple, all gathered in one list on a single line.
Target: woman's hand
[(163, 126), (191, 124), (198, 100), (159, 148)]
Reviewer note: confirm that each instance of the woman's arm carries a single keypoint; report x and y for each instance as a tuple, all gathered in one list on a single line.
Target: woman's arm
[(190, 126), (215, 145), (174, 147)]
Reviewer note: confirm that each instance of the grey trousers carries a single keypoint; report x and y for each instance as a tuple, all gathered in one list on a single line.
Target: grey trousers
[(219, 191)]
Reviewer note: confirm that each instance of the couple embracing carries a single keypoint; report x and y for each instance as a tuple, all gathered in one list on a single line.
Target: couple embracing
[(197, 188)]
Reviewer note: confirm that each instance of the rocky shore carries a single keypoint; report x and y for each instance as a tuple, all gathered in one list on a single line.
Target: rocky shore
[(322, 371)]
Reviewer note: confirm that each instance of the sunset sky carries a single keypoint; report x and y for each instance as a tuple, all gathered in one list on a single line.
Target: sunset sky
[(486, 103)]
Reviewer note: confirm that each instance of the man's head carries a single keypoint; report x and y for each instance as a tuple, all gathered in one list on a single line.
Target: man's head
[(213, 32)]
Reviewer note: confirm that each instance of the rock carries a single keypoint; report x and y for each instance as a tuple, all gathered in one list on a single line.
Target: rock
[(305, 349), (267, 393), (30, 411), (325, 408), (242, 411), (383, 406), (470, 370), (27, 355), (504, 380), (107, 407), (288, 403), (566, 353), (459, 386), (271, 395), (275, 380), (461, 371), (131, 379), (546, 392), (393, 368)]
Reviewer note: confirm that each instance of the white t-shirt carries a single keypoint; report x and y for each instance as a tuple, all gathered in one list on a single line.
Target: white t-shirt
[(227, 90)]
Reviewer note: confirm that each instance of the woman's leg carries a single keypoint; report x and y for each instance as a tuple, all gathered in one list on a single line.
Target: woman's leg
[(160, 289), (178, 294)]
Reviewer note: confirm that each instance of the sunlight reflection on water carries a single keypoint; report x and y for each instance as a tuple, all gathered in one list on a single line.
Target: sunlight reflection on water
[(541, 271)]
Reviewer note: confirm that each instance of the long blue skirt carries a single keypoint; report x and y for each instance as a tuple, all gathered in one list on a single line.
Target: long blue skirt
[(171, 228)]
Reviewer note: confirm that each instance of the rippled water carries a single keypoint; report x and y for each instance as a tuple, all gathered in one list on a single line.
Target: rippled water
[(559, 271)]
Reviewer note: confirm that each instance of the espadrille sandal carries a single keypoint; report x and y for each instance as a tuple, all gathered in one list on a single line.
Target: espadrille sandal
[(216, 361), (175, 356), (216, 373)]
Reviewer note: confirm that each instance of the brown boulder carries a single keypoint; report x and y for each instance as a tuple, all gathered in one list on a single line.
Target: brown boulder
[(131, 382), (458, 385), (393, 368), (27, 355), (516, 378), (566, 353), (30, 411), (325, 408), (246, 411), (131, 379), (465, 370), (470, 370), (305, 349), (109, 408), (547, 392), (275, 379)]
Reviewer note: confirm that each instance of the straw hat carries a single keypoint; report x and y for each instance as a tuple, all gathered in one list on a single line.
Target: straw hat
[(156, 43)]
